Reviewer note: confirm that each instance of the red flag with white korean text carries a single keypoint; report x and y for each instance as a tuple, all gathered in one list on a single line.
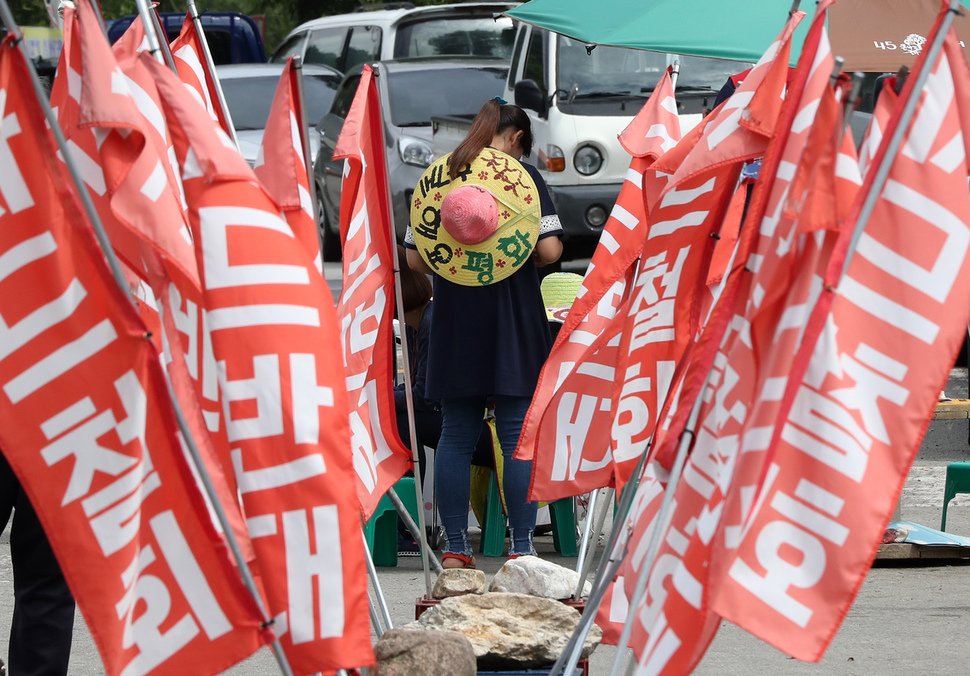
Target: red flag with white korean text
[(731, 136), (274, 335), (84, 146), (115, 112), (193, 70), (778, 287), (366, 306), (654, 130), (660, 639), (741, 126), (568, 426), (887, 334), (281, 165), (885, 104), (89, 429)]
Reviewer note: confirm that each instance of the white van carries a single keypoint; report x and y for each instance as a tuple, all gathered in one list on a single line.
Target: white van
[(580, 98)]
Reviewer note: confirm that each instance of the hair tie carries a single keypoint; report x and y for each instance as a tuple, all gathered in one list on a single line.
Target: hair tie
[(500, 100)]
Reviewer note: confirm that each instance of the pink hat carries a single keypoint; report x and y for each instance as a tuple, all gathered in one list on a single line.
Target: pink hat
[(469, 214)]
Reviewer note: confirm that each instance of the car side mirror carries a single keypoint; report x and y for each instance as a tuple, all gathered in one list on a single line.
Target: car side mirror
[(528, 95)]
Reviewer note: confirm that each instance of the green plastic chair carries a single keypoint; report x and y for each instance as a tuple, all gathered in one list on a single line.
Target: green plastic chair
[(957, 481), (381, 530)]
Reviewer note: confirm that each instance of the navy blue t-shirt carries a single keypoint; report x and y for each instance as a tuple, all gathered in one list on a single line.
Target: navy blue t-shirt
[(494, 339)]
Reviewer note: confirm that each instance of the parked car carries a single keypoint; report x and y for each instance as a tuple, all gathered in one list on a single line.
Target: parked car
[(411, 91), (232, 37), (249, 90), (345, 40)]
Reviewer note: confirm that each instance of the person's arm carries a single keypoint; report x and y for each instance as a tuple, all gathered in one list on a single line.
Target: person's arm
[(548, 250), (416, 263)]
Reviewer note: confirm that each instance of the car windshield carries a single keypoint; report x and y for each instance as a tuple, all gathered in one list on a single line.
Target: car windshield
[(417, 95), (250, 98), (615, 70), (473, 36)]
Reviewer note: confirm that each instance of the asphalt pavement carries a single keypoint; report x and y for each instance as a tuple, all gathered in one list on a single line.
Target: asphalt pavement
[(910, 617)]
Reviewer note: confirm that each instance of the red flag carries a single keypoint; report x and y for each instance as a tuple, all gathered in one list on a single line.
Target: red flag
[(366, 306), (672, 627), (193, 70), (651, 133), (274, 333), (738, 129), (116, 114), (887, 336), (111, 115), (281, 165), (88, 427)]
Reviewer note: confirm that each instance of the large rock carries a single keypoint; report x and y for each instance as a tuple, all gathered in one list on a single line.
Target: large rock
[(458, 581), (404, 652), (508, 631), (537, 577)]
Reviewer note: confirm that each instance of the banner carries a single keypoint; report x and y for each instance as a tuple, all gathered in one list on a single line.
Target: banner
[(887, 334), (281, 165), (366, 306), (193, 70), (567, 428), (274, 335), (88, 427)]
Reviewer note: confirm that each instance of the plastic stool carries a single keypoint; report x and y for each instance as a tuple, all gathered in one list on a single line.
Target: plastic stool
[(494, 526), (563, 518), (561, 513), (957, 481), (381, 529)]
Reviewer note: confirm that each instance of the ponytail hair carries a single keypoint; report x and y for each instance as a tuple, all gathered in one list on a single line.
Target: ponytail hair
[(493, 118)]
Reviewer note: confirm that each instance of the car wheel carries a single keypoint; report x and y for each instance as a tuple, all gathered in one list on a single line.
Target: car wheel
[(329, 238)]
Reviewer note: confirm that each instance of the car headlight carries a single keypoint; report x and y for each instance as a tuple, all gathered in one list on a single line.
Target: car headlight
[(588, 160), (414, 151)]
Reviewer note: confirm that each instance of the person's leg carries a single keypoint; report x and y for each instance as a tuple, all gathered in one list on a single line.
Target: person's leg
[(461, 425), (509, 414), (43, 617)]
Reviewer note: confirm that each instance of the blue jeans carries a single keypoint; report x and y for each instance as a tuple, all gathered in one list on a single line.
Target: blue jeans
[(462, 421)]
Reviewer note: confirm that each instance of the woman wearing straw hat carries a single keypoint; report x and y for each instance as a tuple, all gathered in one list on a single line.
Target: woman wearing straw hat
[(481, 222)]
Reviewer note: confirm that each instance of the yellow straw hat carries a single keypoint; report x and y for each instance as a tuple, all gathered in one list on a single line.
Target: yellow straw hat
[(481, 227)]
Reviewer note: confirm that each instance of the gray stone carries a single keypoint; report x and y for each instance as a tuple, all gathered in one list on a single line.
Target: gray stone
[(509, 631), (458, 581), (537, 577), (404, 652)]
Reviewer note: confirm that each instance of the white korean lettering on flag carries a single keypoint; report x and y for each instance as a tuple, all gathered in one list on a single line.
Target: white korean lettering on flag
[(888, 338), (89, 431)]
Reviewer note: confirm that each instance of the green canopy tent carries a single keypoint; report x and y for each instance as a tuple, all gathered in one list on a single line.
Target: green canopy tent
[(871, 35)]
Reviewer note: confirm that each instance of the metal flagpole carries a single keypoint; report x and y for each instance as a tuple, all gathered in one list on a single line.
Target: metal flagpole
[(587, 527), (656, 535), (896, 140), (600, 518), (408, 395), (211, 69), (604, 575), (304, 137), (381, 601), (118, 276), (414, 529)]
